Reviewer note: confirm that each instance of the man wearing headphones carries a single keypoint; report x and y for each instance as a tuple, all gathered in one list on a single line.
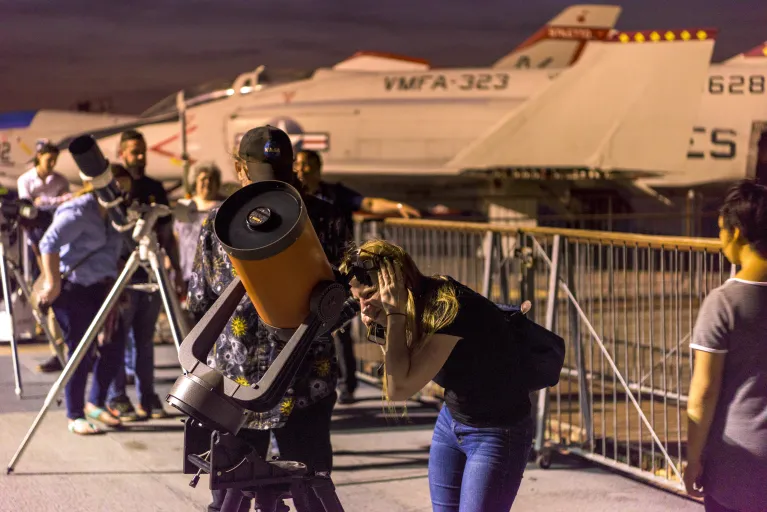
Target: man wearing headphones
[(308, 168)]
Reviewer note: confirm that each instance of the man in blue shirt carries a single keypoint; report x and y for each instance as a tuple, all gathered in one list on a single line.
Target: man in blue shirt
[(80, 252)]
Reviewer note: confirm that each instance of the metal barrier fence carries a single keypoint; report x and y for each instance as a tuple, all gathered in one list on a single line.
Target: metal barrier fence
[(626, 305), (671, 223)]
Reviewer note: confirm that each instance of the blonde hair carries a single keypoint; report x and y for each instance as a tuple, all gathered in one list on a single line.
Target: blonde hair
[(431, 304)]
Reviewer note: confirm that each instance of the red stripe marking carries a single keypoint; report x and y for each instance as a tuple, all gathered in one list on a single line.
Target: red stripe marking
[(567, 33), (759, 51), (157, 148)]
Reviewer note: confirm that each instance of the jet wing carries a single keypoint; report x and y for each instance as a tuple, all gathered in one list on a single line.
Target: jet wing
[(628, 104), (107, 131)]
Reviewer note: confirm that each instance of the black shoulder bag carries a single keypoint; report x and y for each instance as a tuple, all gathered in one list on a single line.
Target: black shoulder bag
[(541, 352), (82, 260)]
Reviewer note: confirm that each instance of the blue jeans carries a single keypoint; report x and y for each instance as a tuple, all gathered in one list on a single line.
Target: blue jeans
[(141, 317), (75, 309), (475, 469), (130, 352)]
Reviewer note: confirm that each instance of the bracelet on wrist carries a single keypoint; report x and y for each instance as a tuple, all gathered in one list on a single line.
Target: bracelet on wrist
[(395, 313)]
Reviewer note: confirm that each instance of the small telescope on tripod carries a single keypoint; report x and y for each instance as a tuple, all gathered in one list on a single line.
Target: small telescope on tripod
[(137, 223), (281, 265)]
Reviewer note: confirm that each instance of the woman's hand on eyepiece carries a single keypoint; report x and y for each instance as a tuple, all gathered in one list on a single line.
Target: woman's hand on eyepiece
[(391, 286)]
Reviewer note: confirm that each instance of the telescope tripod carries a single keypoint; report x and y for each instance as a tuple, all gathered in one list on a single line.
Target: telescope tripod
[(9, 268), (235, 466), (146, 252), (216, 407)]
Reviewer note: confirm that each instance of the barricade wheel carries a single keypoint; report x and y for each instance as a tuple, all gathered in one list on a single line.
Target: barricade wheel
[(544, 459)]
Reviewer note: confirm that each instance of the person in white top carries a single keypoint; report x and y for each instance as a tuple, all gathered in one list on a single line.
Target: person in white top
[(190, 213), (42, 185), (47, 189)]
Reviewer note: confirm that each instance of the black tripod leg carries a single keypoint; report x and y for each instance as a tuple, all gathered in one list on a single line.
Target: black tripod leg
[(267, 500), (299, 491), (325, 493), (232, 501)]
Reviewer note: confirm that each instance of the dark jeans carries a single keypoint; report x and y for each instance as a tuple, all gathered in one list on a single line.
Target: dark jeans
[(714, 506), (477, 469), (304, 438), (75, 309), (130, 352), (141, 316), (347, 364)]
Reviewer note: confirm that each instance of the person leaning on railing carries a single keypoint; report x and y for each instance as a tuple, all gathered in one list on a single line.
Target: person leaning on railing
[(308, 169), (727, 405), (439, 329)]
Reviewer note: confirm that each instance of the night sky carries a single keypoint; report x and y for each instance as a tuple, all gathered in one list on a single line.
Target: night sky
[(54, 53)]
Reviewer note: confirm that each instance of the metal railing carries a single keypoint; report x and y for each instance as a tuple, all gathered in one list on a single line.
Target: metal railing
[(626, 305), (671, 223)]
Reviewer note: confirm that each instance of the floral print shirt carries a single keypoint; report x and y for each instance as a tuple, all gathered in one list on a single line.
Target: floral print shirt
[(245, 349)]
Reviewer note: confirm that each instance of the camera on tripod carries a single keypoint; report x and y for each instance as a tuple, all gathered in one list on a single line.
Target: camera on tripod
[(16, 212)]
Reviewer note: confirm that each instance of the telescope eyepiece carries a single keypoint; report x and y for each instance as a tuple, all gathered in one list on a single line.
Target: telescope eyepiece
[(259, 217)]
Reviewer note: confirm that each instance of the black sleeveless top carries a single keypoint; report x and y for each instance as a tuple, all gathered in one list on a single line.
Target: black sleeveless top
[(481, 377)]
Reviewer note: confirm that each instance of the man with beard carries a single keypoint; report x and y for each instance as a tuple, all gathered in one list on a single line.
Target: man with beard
[(144, 309)]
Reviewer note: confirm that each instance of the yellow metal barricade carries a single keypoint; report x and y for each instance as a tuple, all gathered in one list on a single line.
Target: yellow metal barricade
[(626, 305)]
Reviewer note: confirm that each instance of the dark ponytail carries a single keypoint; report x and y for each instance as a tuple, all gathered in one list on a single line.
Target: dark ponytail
[(745, 208)]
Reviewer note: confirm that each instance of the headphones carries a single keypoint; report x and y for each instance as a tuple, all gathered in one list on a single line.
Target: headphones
[(365, 270)]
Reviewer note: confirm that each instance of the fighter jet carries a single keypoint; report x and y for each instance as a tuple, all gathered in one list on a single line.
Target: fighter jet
[(20, 132), (565, 105), (216, 116), (730, 129)]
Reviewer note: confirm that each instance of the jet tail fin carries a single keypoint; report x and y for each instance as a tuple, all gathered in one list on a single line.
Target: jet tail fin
[(756, 55), (601, 113), (559, 43)]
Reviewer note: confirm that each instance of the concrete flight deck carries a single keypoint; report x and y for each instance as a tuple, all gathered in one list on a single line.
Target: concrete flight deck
[(380, 464)]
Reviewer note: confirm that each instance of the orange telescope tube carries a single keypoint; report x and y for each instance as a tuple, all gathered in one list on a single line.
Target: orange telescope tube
[(267, 234)]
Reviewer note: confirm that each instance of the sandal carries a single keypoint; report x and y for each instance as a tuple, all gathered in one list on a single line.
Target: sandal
[(82, 427), (102, 415)]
